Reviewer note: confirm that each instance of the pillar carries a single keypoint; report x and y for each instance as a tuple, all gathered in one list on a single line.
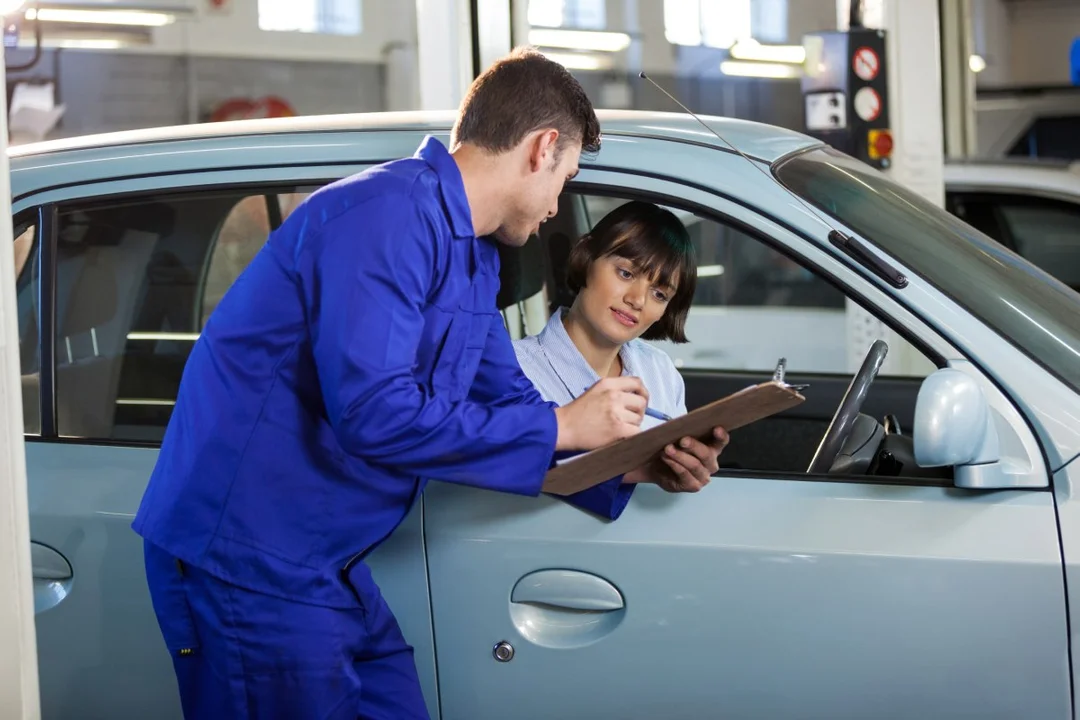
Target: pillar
[(19, 694), (915, 113)]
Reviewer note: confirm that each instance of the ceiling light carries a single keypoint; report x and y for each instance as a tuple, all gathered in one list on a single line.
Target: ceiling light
[(83, 43), (976, 63), (761, 70), (576, 61), (579, 39), (100, 17), (710, 271), (750, 49)]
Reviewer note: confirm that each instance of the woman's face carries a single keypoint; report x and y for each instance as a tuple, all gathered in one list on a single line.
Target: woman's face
[(619, 301)]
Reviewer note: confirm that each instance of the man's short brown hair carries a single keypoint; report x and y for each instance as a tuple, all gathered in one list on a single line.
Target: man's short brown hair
[(522, 93), (657, 243)]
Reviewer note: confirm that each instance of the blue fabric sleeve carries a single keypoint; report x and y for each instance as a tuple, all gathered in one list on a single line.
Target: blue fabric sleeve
[(607, 499), (366, 294)]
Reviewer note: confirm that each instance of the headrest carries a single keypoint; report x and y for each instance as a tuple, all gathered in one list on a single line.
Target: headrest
[(522, 272)]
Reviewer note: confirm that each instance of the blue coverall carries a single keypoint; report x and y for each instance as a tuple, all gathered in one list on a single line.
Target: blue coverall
[(360, 355)]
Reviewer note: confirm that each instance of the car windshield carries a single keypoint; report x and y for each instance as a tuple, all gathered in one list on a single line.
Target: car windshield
[(1024, 304)]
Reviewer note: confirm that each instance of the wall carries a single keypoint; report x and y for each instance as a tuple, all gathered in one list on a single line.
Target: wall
[(1041, 32), (1025, 42), (104, 92), (235, 33)]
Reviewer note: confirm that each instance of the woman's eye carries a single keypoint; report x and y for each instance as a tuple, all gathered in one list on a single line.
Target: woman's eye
[(661, 296), (624, 274)]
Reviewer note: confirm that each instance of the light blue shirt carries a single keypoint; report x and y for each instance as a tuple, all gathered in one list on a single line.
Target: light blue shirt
[(560, 374)]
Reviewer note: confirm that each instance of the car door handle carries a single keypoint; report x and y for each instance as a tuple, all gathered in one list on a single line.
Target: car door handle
[(52, 576), (568, 590), (47, 564)]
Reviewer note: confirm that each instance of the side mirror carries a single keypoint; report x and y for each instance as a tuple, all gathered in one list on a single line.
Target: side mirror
[(954, 426)]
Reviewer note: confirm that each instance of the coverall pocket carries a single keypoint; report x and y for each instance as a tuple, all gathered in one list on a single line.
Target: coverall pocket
[(461, 353), (169, 595)]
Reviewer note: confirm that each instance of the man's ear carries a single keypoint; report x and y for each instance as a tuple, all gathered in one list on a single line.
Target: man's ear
[(542, 148)]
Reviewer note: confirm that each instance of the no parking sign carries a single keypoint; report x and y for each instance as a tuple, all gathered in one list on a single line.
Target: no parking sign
[(866, 63)]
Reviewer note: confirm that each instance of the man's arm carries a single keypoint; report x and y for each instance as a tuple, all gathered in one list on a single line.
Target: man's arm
[(366, 283)]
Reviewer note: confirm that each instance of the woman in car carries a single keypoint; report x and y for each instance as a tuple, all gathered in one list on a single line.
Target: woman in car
[(633, 277)]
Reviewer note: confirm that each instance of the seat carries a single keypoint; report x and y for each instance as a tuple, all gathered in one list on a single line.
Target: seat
[(87, 369)]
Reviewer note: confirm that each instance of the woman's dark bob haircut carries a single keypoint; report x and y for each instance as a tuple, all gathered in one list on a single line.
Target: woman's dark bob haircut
[(657, 244)]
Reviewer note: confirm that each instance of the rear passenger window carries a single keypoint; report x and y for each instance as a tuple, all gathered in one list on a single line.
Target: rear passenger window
[(135, 282)]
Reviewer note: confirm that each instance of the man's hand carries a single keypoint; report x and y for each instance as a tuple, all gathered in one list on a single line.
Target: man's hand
[(686, 468), (610, 410)]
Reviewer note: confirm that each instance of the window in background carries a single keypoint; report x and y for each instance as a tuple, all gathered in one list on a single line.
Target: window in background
[(330, 17), (580, 14), (716, 23)]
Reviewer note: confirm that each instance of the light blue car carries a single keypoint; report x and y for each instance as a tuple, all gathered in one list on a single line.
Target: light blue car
[(902, 545)]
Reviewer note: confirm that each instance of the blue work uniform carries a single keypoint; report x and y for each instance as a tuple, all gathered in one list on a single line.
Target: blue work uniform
[(560, 373), (358, 356)]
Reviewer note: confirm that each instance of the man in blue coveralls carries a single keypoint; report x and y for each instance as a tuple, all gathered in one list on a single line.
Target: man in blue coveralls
[(359, 355)]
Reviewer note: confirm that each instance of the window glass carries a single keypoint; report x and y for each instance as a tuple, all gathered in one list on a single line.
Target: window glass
[(26, 299), (135, 281), (1018, 300), (753, 305), (331, 17), (1046, 232)]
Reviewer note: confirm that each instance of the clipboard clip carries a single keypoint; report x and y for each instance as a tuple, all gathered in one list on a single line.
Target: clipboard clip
[(779, 376)]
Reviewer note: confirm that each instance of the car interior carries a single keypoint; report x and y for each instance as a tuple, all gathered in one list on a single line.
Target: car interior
[(137, 280)]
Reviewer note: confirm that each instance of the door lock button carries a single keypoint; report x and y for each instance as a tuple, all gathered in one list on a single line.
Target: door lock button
[(503, 652)]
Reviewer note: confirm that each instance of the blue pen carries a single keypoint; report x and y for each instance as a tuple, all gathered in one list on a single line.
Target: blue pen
[(648, 411)]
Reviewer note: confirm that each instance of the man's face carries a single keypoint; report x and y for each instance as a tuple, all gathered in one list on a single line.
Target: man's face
[(537, 197)]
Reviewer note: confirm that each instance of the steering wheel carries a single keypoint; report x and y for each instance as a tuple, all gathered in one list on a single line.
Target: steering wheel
[(848, 411)]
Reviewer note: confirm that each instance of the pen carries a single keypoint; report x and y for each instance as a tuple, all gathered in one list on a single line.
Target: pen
[(648, 410)]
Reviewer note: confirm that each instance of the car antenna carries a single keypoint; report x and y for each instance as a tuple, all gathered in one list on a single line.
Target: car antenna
[(852, 246)]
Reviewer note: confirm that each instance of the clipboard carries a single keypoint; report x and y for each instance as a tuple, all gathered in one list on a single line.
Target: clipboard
[(732, 412)]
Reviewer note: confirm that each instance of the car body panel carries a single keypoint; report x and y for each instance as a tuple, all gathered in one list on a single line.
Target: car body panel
[(826, 593), (757, 598)]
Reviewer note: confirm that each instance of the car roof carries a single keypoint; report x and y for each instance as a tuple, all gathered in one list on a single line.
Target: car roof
[(1023, 174), (758, 140)]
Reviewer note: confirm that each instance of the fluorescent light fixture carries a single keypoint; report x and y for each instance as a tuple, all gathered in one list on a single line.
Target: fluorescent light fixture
[(82, 43), (760, 70), (8, 7), (710, 271), (750, 49), (158, 336), (976, 63), (577, 61), (579, 39), (136, 18)]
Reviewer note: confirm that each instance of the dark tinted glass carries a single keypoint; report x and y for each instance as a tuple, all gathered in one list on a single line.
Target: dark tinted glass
[(1026, 305)]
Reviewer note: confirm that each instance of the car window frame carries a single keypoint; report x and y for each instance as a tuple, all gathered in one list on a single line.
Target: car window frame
[(47, 214)]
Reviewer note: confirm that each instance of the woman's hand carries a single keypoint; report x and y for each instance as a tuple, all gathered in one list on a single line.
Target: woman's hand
[(686, 468)]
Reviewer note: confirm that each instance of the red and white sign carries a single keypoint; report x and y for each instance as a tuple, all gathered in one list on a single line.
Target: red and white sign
[(867, 104), (866, 64)]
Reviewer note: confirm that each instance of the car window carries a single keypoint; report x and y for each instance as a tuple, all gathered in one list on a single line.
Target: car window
[(1050, 137), (242, 235), (1046, 232), (134, 280), (26, 285), (1024, 304), (754, 305), (979, 211)]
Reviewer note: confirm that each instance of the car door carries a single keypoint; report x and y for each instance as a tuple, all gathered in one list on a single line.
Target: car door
[(772, 593), (115, 289)]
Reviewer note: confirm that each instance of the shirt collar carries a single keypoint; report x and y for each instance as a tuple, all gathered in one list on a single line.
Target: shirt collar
[(451, 186), (557, 344)]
